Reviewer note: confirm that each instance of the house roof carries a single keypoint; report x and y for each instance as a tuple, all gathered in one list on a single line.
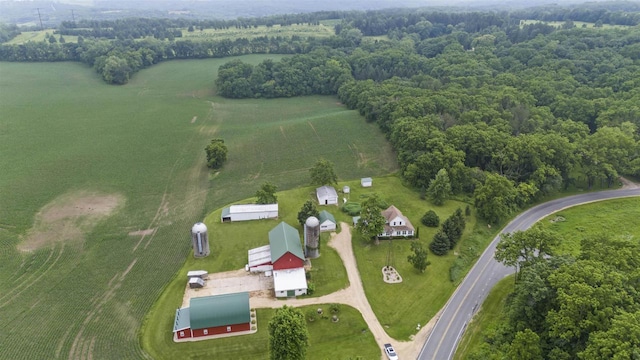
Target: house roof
[(219, 310), (182, 320), (284, 238), (391, 213), (326, 191), (289, 279), (325, 215)]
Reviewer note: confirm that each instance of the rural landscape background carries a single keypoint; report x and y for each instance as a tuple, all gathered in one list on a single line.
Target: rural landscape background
[(100, 183)]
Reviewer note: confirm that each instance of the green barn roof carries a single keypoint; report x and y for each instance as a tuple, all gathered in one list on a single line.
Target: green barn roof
[(325, 215), (219, 310), (284, 238)]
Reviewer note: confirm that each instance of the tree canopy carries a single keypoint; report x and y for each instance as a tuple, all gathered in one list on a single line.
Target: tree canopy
[(323, 173), (216, 153), (288, 334)]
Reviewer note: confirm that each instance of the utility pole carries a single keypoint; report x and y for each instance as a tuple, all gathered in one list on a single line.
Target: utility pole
[(39, 17), (73, 16)]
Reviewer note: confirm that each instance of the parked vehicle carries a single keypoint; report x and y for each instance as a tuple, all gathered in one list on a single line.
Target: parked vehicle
[(390, 351)]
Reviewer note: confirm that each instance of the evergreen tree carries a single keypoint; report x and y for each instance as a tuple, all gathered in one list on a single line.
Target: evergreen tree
[(419, 257), (440, 243)]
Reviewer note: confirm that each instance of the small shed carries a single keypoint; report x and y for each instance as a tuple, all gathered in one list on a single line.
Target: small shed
[(327, 221), (366, 182), (246, 212), (195, 283), (327, 195), (346, 189), (202, 274), (213, 315)]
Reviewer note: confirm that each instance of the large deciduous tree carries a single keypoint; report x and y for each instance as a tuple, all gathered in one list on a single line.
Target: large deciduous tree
[(308, 209), (524, 248), (419, 257), (216, 153), (323, 173), (439, 187), (288, 335), (371, 222), (267, 194), (495, 199)]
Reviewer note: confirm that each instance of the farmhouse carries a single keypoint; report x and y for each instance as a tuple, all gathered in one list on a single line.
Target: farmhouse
[(288, 261), (327, 221), (213, 315), (327, 195), (366, 182), (246, 212), (396, 224)]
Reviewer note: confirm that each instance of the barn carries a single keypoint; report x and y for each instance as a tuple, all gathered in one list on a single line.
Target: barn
[(327, 195), (287, 259), (246, 212), (213, 315), (327, 221)]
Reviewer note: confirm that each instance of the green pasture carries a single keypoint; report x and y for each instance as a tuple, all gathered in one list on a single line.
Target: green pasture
[(614, 217), (39, 35), (347, 338), (578, 24), (232, 33), (64, 131)]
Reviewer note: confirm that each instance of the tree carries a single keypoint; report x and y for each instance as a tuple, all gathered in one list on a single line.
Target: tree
[(288, 334), (307, 210), (267, 194), (525, 346), (216, 153), (440, 243), (371, 222), (323, 173), (430, 219), (454, 227), (439, 187), (495, 199), (523, 248), (419, 257)]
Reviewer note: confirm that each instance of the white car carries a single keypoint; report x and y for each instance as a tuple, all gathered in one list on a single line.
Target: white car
[(391, 353)]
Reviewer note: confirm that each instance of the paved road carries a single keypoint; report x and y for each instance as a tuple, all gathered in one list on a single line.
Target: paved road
[(466, 300)]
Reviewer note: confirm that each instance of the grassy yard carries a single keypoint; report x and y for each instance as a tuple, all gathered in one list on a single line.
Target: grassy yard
[(39, 35), (616, 217), (347, 338), (73, 147)]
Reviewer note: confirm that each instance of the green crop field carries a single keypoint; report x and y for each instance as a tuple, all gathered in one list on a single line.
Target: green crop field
[(100, 185), (302, 30)]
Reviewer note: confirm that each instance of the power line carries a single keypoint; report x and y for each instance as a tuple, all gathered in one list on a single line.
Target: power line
[(40, 17)]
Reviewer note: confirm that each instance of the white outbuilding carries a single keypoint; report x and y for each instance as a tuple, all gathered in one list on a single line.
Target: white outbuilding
[(366, 182), (327, 221), (327, 195), (246, 212)]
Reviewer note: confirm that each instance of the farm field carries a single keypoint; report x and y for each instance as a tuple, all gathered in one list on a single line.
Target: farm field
[(101, 184), (39, 35), (579, 24), (302, 30), (572, 225)]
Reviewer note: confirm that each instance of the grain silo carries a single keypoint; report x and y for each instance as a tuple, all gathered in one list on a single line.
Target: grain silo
[(200, 240), (312, 237)]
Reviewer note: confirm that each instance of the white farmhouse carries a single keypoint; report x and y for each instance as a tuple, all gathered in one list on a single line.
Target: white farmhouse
[(396, 224)]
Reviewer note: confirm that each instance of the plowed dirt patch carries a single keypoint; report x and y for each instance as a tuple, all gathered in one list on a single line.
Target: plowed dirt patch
[(68, 218)]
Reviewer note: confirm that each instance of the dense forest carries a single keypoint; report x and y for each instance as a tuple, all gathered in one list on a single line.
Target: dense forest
[(512, 111), (565, 307)]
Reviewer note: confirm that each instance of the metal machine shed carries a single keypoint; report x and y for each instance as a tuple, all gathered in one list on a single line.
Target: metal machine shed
[(246, 212), (260, 259), (290, 282)]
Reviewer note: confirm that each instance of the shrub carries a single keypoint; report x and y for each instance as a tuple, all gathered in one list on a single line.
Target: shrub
[(351, 208), (311, 287), (467, 211), (334, 308), (312, 315), (431, 219)]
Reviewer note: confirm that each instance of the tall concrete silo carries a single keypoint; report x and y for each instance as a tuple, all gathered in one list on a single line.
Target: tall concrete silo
[(200, 240), (312, 237)]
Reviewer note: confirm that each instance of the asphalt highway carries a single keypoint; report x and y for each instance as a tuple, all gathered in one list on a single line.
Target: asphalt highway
[(468, 297)]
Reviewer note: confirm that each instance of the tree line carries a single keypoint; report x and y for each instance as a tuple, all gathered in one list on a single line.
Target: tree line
[(510, 121)]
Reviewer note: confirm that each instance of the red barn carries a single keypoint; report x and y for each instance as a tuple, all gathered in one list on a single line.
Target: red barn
[(286, 248), (212, 315)]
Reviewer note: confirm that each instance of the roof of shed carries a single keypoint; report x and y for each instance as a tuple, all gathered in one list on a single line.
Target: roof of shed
[(284, 238), (219, 310), (326, 191), (325, 215)]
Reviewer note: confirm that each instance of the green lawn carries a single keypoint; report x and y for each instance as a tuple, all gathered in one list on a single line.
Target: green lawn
[(64, 132), (39, 35), (347, 338)]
